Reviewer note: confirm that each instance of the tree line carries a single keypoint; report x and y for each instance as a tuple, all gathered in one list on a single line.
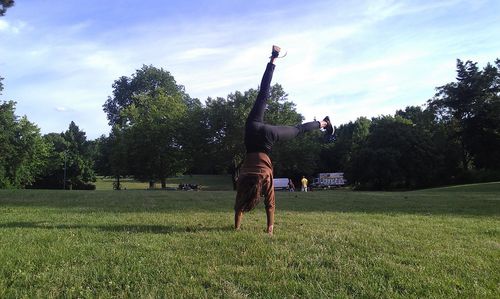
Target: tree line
[(158, 131)]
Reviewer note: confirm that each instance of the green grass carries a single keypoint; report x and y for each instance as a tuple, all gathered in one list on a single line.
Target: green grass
[(78, 244)]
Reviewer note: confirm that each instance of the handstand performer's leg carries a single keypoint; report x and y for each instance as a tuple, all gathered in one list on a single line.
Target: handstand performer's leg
[(238, 215), (257, 112), (289, 132)]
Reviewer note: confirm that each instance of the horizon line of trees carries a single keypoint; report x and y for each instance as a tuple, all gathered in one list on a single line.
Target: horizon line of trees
[(158, 131)]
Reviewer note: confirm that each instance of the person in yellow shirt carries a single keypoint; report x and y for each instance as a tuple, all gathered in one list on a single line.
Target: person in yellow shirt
[(304, 182)]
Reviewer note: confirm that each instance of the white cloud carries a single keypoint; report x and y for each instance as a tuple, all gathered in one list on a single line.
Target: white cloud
[(10, 27), (199, 53), (3, 25), (379, 10)]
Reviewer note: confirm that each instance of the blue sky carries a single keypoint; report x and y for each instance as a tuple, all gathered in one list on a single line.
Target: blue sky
[(345, 59)]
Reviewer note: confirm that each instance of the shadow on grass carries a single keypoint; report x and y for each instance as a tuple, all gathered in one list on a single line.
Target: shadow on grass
[(120, 228), (419, 202)]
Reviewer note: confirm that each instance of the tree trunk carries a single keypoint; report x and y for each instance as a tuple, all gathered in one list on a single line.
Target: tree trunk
[(117, 183), (163, 183), (465, 157), (151, 184)]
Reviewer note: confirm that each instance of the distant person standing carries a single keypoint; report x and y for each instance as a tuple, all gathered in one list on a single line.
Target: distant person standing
[(304, 182), (291, 186)]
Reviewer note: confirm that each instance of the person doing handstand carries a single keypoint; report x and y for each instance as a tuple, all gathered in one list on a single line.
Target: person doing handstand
[(256, 173)]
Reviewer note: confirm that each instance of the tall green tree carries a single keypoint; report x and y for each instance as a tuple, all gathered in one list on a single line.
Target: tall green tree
[(471, 108), (195, 138), (23, 153), (77, 155), (448, 153), (119, 159), (147, 111), (111, 156), (32, 153), (8, 127), (226, 122), (153, 135), (100, 152), (52, 176)]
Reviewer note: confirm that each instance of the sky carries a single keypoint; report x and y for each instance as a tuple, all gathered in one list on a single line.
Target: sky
[(345, 59)]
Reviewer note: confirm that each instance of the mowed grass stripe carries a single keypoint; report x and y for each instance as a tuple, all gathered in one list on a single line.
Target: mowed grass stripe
[(429, 243)]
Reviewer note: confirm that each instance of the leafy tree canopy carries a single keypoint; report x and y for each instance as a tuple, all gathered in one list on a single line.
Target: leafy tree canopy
[(145, 80), (4, 4)]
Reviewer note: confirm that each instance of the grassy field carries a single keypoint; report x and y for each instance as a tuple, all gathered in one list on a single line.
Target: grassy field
[(80, 244)]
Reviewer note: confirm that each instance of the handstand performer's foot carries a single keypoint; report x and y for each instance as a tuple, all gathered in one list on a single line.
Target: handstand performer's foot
[(275, 52), (270, 230), (329, 130)]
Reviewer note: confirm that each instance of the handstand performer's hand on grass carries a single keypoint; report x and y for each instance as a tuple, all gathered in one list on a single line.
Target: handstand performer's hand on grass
[(256, 173)]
